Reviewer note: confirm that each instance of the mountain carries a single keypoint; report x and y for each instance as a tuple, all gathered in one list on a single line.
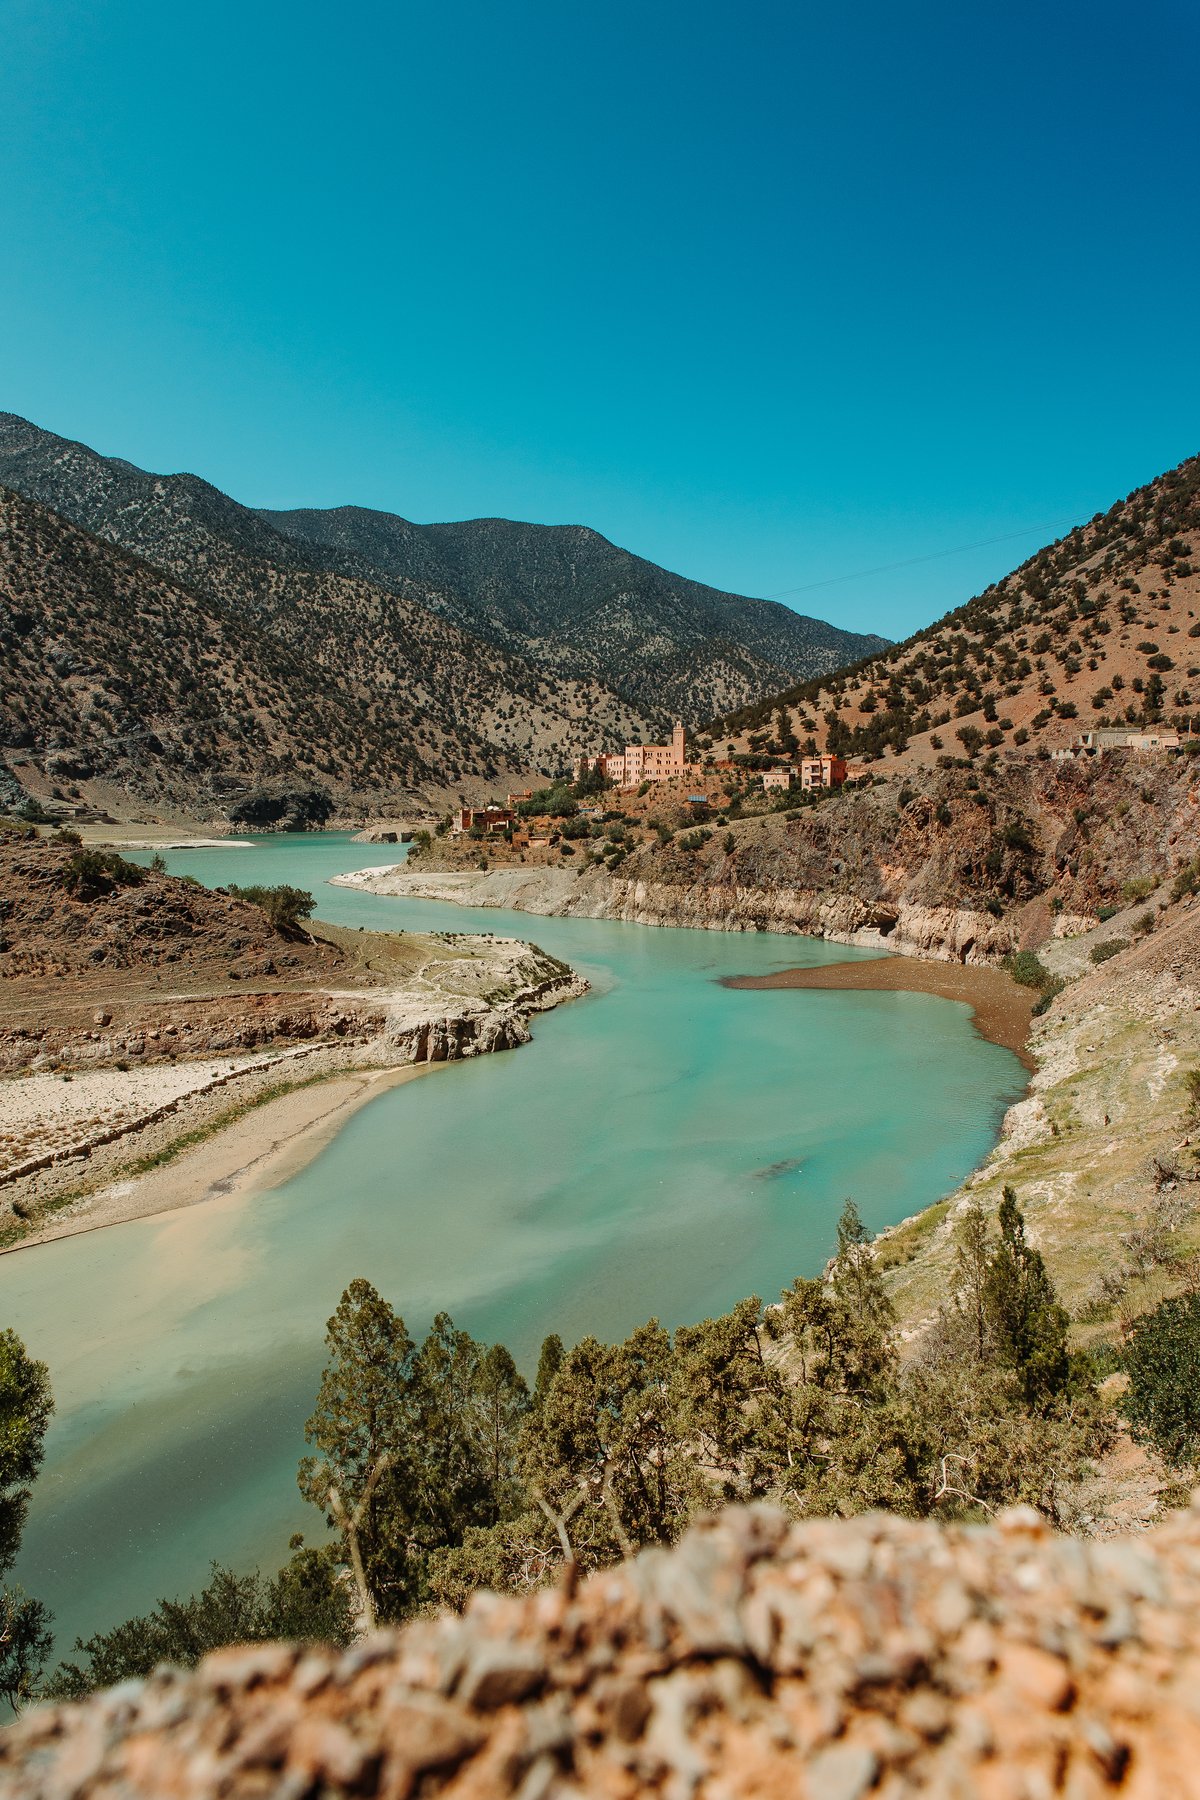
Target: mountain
[(191, 694), (121, 679), (598, 643), (568, 596), (1097, 629)]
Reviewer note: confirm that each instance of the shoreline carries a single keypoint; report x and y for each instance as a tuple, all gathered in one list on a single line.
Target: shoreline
[(1001, 1010), (254, 1152)]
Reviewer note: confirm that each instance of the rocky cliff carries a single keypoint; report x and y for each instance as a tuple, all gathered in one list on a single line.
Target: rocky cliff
[(959, 864), (831, 1660)]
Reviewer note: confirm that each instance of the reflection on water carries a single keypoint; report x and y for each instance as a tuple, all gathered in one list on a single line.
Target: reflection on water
[(663, 1147)]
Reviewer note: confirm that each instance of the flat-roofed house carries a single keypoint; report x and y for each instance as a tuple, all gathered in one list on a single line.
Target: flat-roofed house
[(822, 771), (1107, 737), (481, 818)]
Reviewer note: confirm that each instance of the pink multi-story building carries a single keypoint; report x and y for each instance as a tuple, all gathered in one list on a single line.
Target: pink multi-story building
[(638, 762)]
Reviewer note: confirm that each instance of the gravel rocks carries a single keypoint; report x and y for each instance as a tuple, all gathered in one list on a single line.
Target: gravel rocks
[(758, 1660)]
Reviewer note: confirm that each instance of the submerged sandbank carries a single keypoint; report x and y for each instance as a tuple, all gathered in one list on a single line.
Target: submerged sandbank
[(1003, 1011), (259, 1149)]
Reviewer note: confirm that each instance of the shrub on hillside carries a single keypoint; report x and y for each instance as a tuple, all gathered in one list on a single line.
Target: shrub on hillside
[(1028, 969), (284, 906), (555, 802), (90, 874), (1163, 1361)]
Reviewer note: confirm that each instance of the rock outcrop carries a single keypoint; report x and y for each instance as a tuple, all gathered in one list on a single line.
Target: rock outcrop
[(831, 1660), (944, 933)]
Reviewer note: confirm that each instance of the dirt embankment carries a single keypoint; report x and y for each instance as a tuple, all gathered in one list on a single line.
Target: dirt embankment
[(1104, 1151), (831, 1660), (959, 865), (147, 1011)]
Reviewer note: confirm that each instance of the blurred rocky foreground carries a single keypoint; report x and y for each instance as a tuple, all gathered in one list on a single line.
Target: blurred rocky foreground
[(824, 1661)]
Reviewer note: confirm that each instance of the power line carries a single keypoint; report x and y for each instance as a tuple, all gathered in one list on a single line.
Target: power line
[(911, 561)]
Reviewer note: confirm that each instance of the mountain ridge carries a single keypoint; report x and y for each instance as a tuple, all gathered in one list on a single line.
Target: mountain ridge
[(640, 641), (1093, 630)]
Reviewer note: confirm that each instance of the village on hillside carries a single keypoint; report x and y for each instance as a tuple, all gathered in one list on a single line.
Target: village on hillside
[(613, 802), (537, 819)]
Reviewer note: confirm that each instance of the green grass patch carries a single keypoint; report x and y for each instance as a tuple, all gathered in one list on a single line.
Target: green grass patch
[(906, 1241)]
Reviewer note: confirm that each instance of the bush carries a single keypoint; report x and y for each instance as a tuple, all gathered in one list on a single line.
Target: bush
[(284, 906), (89, 874), (1187, 881), (1028, 969), (555, 802), (1163, 1361), (1048, 996), (1101, 953), (307, 1601)]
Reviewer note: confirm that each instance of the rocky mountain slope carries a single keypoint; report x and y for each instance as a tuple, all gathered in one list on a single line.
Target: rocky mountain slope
[(462, 650), (1099, 628), (192, 689), (829, 1660), (573, 600)]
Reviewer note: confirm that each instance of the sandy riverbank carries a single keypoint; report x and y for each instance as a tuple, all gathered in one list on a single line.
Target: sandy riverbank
[(256, 1151), (1003, 1011)]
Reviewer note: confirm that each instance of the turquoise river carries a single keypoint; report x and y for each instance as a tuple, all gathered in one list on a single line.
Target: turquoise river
[(663, 1147)]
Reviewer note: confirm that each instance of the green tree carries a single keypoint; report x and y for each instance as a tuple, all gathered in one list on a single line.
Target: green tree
[(364, 1428), (452, 1486), (1029, 1325), (971, 1266), (602, 1447), (1163, 1361), (26, 1404), (550, 1361), (307, 1601), (286, 907), (503, 1399), (592, 781)]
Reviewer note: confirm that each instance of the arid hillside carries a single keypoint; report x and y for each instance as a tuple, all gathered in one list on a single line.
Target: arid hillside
[(1100, 628), (182, 697), (387, 661), (76, 922)]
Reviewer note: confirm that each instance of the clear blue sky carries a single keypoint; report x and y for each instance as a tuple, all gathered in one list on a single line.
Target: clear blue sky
[(770, 293)]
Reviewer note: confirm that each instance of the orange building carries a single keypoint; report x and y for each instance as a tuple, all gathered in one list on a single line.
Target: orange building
[(481, 818), (822, 771)]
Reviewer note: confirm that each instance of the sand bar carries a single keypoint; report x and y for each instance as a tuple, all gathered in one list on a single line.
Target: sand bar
[(262, 1149), (1003, 1010)]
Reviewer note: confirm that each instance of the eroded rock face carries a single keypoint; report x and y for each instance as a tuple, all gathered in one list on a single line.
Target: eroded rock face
[(826, 1661)]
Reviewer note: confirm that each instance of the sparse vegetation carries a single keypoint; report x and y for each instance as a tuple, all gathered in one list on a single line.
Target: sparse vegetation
[(286, 907), (90, 874)]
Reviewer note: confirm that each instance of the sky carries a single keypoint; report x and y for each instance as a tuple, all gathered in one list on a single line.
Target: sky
[(778, 295)]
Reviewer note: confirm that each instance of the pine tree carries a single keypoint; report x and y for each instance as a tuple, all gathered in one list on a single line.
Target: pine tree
[(364, 1430), (1029, 1324)]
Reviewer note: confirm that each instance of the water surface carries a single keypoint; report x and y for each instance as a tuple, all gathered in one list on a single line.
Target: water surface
[(663, 1147)]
